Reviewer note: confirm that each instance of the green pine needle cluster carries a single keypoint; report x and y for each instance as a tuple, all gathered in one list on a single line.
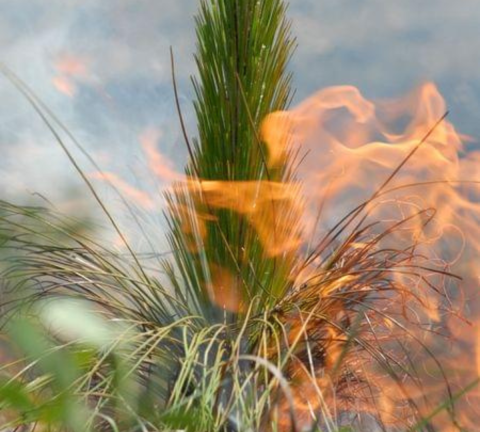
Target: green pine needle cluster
[(243, 48)]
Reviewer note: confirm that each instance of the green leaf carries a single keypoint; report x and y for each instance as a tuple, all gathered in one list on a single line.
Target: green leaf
[(15, 395)]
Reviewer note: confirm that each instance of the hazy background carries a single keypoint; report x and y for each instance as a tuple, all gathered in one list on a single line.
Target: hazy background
[(103, 67)]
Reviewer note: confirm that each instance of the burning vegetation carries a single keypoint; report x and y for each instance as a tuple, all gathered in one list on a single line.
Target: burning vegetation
[(322, 270)]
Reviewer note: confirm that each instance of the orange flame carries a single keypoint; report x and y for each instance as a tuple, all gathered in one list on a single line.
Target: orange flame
[(268, 206), (70, 69), (138, 196), (158, 164), (353, 145)]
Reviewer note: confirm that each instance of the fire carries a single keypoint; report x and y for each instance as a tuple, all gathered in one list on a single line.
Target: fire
[(398, 274), (430, 211), (158, 164), (69, 70), (268, 206), (136, 195)]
